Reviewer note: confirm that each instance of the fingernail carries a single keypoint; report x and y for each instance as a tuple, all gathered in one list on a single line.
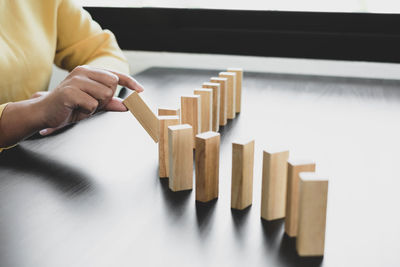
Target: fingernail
[(43, 132)]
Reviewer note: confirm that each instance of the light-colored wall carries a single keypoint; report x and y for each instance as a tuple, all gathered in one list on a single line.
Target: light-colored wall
[(140, 60)]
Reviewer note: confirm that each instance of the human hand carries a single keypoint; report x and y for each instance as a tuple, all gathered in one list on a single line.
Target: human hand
[(83, 92)]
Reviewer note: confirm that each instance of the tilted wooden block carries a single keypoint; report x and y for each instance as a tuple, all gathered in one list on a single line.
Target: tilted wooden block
[(274, 179), (231, 93), (312, 215), (207, 166), (215, 87), (242, 174), (180, 147), (206, 96), (163, 153), (169, 112), (191, 113), (239, 80), (223, 104), (292, 199), (143, 114)]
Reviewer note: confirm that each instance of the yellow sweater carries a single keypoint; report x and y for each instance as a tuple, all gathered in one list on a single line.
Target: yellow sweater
[(34, 34)]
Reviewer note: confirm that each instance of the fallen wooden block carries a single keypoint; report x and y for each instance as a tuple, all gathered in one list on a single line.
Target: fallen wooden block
[(206, 96), (169, 112), (274, 179), (312, 214), (242, 174), (207, 166), (191, 113), (292, 200), (231, 93), (143, 114), (215, 87), (239, 80), (163, 152), (223, 104), (180, 147)]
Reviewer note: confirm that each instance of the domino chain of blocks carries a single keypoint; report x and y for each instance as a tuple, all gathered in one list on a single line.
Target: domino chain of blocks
[(290, 189)]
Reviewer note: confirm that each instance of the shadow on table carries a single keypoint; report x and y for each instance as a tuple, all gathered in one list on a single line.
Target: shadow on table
[(175, 201), (274, 237), (239, 219), (66, 179), (204, 216)]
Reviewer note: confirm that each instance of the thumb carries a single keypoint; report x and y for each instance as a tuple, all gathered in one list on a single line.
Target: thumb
[(115, 104)]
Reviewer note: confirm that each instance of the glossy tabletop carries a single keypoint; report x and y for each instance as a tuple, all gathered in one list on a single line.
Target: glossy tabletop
[(90, 195)]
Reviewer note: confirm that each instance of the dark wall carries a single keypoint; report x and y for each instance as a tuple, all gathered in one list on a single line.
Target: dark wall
[(318, 35)]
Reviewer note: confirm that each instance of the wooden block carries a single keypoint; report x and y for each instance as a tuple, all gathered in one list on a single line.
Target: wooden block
[(242, 174), (207, 166), (223, 104), (231, 93), (292, 198), (215, 87), (206, 101), (169, 112), (239, 79), (312, 215), (163, 153), (191, 113), (180, 147), (274, 179), (143, 114)]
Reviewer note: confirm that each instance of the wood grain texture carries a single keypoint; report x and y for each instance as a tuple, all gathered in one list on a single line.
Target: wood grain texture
[(207, 166), (180, 147), (206, 96), (143, 114), (274, 179), (242, 174), (223, 105), (215, 87), (239, 82), (169, 112), (191, 113), (292, 197), (312, 215), (231, 93), (163, 152)]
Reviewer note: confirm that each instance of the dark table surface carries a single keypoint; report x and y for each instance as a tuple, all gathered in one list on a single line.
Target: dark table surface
[(91, 196)]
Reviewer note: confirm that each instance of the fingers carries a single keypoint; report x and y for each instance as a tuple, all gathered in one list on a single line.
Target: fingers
[(129, 82), (109, 78), (115, 104), (79, 100), (39, 94), (98, 91)]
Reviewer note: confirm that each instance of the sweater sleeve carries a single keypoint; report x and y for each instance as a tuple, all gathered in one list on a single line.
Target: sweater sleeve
[(2, 107), (81, 41)]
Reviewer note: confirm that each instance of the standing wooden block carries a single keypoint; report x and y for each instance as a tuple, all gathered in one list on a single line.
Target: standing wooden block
[(312, 215), (180, 147), (215, 87), (163, 153), (274, 179), (223, 104), (143, 114), (292, 200), (242, 175), (207, 166), (231, 93), (191, 113), (239, 79), (206, 101), (169, 112)]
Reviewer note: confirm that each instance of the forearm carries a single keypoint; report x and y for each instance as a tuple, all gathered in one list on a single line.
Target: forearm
[(19, 121)]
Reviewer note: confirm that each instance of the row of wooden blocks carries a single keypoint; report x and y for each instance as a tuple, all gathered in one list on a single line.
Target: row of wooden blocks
[(288, 189)]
